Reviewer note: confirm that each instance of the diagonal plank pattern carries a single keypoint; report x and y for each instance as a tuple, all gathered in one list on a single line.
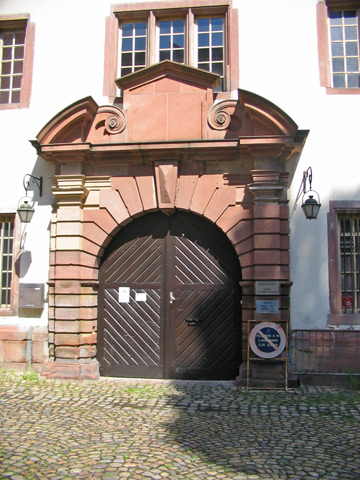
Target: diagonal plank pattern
[(181, 318)]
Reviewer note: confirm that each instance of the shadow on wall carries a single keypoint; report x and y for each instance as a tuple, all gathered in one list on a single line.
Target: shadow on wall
[(22, 263)]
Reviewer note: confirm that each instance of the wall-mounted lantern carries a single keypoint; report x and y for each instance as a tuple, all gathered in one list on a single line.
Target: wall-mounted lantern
[(311, 199), (26, 208)]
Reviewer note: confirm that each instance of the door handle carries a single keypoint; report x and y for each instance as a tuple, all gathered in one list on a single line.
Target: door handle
[(172, 298)]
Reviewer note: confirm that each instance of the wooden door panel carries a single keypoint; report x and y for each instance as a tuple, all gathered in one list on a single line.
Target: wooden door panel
[(190, 258), (132, 334), (205, 335), (138, 261)]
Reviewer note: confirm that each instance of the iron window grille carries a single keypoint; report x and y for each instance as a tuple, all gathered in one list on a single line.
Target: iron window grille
[(350, 262)]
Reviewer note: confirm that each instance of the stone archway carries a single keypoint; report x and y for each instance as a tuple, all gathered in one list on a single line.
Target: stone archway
[(228, 162)]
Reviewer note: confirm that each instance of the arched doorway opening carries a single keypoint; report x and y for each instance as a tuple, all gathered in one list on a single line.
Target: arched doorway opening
[(169, 301)]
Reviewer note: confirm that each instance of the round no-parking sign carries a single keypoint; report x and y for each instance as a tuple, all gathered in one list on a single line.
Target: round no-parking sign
[(267, 340)]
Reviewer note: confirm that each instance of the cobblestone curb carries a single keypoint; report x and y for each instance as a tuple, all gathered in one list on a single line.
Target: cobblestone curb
[(112, 429)]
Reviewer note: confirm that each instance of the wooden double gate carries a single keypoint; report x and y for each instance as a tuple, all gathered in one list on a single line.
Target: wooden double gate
[(169, 301)]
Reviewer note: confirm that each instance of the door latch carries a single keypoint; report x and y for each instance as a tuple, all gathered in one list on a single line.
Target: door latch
[(172, 298)]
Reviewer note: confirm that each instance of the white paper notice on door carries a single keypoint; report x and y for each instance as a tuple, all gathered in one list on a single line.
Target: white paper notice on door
[(140, 297), (124, 294)]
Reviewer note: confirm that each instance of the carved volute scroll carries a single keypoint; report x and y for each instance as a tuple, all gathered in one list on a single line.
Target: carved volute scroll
[(116, 121), (221, 114)]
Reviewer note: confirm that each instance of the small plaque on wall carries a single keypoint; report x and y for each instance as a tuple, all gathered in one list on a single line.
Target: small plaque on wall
[(267, 306), (267, 288)]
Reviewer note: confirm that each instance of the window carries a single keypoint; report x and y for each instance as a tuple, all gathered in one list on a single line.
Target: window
[(210, 46), (16, 53), (344, 45), (197, 34), (344, 262), (338, 46), (6, 259), (133, 47), (170, 40), (350, 261)]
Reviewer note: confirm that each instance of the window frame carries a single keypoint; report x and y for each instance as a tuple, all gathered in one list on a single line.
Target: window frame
[(12, 23), (12, 309), (336, 315), (323, 9), (153, 12)]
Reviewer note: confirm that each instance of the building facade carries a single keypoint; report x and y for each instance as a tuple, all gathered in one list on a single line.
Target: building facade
[(165, 148)]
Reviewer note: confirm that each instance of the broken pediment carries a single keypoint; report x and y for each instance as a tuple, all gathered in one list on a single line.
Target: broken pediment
[(170, 104)]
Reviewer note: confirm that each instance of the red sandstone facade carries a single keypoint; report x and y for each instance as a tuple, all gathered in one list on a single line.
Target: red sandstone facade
[(169, 147)]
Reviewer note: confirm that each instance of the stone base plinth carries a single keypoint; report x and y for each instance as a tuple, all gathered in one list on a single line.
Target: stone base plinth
[(76, 370)]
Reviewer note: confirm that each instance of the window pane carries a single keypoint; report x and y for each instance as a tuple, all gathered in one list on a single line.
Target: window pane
[(140, 43), (18, 67), (6, 68), (217, 24), (178, 56), (15, 97), (178, 41), (165, 27), (204, 55), (203, 40), (353, 80), (5, 82), (203, 24), (336, 33), (20, 37), (338, 64), (17, 82), (8, 38), (339, 80), (217, 68), (350, 33), (125, 71), (217, 54), (217, 39), (204, 66), (7, 53), (140, 29), (165, 41), (164, 55), (350, 17), (127, 29), (352, 49), (179, 26), (337, 49), (19, 52), (140, 58), (352, 65), (335, 18), (4, 97), (126, 59), (127, 44)]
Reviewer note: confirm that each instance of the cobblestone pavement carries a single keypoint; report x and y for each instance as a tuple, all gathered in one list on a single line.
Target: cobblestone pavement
[(116, 429)]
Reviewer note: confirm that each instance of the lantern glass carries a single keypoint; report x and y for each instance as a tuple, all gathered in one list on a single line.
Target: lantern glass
[(311, 208), (25, 212)]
